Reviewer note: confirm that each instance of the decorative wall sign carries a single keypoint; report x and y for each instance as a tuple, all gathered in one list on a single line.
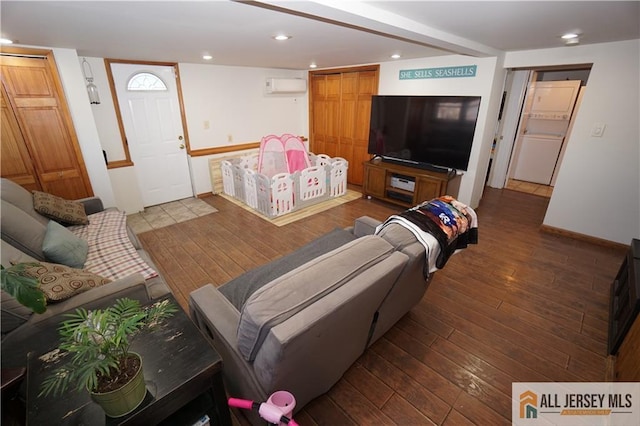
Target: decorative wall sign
[(442, 72)]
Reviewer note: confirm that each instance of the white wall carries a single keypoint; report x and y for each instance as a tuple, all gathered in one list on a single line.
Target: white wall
[(105, 113), (597, 192), (487, 83), (75, 90), (234, 102)]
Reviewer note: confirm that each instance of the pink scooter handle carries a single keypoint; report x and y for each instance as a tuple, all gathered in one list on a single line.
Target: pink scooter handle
[(267, 411), (241, 403)]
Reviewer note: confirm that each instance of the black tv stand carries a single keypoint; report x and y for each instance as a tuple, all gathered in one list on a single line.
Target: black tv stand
[(417, 165)]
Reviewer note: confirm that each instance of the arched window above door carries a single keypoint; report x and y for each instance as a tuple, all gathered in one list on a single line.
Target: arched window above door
[(146, 81)]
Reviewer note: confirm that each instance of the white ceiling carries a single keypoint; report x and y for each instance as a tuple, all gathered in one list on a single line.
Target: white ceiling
[(329, 33)]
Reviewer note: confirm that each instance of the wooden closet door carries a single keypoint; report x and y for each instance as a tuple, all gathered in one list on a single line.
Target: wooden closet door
[(15, 163), (357, 89), (325, 110), (36, 97), (340, 104)]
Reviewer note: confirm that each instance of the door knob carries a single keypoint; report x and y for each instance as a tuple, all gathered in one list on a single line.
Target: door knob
[(181, 146), (180, 138)]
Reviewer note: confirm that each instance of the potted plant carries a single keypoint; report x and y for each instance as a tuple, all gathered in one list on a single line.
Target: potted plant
[(101, 360), (25, 289)]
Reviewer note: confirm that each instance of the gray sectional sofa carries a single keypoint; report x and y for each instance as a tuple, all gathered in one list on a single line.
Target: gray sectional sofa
[(23, 231), (299, 322)]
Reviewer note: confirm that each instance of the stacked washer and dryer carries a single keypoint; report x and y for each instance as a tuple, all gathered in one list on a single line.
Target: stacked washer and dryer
[(544, 129)]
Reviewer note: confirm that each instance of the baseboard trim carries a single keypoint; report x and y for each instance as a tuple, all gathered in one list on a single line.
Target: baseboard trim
[(204, 195), (610, 369), (582, 237)]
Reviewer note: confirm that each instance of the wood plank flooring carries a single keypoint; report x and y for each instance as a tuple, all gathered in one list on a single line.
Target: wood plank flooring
[(522, 305)]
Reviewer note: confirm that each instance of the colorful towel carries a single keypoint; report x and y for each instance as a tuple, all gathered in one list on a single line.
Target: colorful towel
[(452, 223), (111, 254)]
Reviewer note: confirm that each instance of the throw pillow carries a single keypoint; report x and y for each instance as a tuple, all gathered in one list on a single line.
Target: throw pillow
[(64, 211), (61, 246), (60, 282)]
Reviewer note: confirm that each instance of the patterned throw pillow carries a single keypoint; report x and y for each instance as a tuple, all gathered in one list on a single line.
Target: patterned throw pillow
[(64, 211), (59, 282)]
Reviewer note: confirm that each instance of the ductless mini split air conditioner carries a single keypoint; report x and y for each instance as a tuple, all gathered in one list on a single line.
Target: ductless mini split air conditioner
[(286, 85)]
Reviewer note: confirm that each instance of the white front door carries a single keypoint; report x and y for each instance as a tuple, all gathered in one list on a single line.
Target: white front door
[(153, 126)]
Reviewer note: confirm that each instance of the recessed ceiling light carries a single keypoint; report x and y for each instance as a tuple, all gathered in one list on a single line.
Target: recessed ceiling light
[(395, 56), (569, 36), (572, 41), (281, 37), (5, 41), (207, 57), (313, 65)]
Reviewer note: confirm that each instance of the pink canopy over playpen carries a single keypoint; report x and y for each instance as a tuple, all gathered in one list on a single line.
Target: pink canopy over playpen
[(284, 154)]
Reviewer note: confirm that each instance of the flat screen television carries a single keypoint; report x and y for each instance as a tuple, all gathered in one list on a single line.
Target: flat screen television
[(424, 131)]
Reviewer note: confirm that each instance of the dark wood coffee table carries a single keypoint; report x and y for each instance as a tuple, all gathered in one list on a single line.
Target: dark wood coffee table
[(182, 371)]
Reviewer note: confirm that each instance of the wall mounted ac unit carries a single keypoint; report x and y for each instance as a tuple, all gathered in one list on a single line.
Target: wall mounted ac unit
[(286, 85)]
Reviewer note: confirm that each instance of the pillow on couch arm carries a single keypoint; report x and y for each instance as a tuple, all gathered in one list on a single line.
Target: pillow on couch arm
[(62, 246), (64, 211)]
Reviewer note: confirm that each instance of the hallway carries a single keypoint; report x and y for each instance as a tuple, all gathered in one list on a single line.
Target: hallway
[(529, 188)]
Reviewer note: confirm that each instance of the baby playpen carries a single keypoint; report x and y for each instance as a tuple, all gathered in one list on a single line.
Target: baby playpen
[(283, 176)]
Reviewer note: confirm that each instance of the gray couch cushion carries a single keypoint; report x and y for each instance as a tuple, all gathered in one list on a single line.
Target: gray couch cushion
[(22, 230), (284, 297), (22, 199), (398, 236), (241, 288)]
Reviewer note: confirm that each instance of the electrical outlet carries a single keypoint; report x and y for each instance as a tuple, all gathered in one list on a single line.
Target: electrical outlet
[(598, 130), (229, 137), (206, 125)]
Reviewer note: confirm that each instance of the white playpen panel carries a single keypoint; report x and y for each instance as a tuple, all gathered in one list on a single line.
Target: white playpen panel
[(281, 194), (284, 192), (250, 189), (227, 178), (313, 183), (338, 175)]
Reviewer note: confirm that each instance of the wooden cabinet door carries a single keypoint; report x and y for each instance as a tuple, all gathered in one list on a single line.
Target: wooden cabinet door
[(375, 180), (35, 94), (426, 189), (16, 162)]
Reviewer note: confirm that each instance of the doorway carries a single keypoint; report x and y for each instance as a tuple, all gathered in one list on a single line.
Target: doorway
[(541, 106), (151, 117)]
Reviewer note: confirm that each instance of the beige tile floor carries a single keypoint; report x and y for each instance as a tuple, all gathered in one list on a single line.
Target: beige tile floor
[(530, 187), (167, 214)]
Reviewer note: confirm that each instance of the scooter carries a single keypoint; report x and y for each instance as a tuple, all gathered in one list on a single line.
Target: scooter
[(269, 412)]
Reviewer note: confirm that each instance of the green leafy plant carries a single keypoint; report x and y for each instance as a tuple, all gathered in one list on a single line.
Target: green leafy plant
[(98, 343), (24, 288)]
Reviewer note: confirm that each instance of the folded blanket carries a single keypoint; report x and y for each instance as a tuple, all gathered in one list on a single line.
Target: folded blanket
[(452, 223), (111, 253)]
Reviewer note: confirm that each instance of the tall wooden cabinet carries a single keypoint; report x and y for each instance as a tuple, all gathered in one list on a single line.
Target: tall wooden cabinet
[(624, 316), (40, 149), (340, 108)]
